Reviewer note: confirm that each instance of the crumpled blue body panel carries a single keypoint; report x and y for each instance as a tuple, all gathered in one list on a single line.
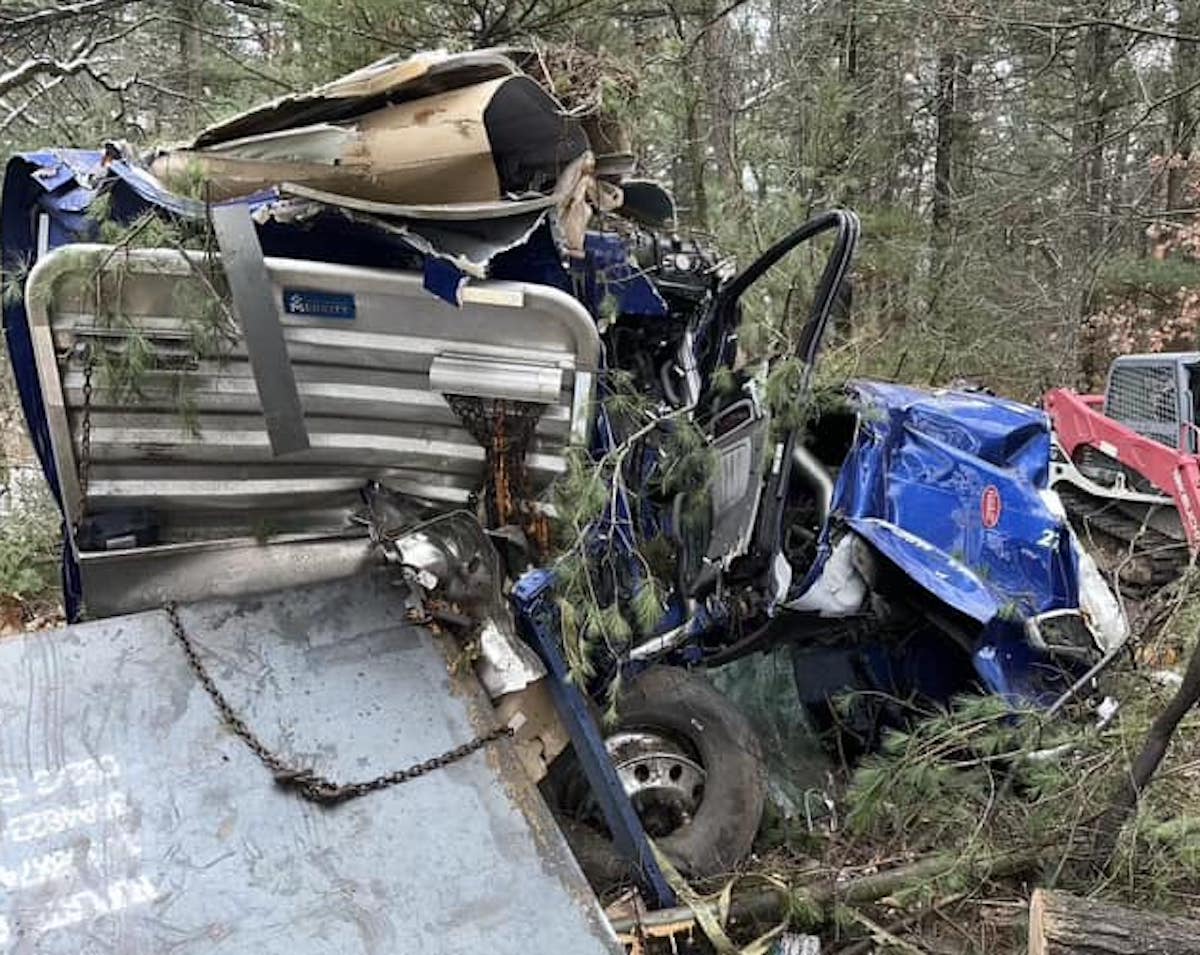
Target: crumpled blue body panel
[(932, 569), (947, 487)]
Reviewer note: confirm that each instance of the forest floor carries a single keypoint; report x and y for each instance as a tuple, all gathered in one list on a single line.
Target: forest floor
[(975, 783), (29, 544)]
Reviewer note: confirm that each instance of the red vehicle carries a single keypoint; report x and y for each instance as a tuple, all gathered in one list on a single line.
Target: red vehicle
[(1127, 465)]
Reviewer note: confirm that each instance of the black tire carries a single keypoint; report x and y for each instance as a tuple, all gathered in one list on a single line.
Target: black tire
[(721, 832)]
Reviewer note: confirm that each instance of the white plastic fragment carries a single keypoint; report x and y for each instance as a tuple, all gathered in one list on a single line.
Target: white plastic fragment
[(1098, 603), (840, 589), (790, 943), (1106, 711), (781, 578)]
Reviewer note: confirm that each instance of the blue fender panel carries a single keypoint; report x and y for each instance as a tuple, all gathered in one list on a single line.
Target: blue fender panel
[(930, 568)]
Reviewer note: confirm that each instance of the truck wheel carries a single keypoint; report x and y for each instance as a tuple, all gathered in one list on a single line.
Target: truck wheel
[(692, 767)]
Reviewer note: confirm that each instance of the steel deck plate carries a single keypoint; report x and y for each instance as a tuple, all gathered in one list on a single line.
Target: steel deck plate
[(133, 821)]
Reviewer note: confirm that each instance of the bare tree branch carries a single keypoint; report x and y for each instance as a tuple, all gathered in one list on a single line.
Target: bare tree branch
[(18, 112), (66, 11), (80, 59), (33, 68), (253, 71), (1072, 26)]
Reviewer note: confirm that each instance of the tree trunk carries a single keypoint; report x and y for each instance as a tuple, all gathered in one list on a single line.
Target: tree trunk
[(948, 163), (962, 163), (188, 13), (688, 166), (1181, 115), (694, 165), (947, 71), (1090, 69), (951, 161), (1063, 924), (1087, 140), (850, 48), (1122, 169), (893, 179), (718, 74)]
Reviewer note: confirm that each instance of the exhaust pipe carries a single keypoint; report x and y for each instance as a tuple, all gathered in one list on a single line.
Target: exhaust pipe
[(816, 476)]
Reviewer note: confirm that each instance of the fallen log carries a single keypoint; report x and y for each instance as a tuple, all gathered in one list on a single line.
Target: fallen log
[(1065, 924), (769, 903)]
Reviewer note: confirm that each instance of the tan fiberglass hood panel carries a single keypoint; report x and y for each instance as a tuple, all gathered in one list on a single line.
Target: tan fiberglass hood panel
[(435, 128)]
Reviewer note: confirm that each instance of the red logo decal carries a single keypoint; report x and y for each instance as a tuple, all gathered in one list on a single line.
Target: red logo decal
[(989, 506)]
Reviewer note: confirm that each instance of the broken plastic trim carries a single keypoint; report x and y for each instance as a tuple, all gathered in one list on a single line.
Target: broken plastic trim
[(1064, 632)]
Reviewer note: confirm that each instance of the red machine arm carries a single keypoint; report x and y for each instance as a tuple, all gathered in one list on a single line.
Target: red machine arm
[(1079, 420)]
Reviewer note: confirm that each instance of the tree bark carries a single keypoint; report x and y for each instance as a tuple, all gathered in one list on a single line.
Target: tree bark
[(1182, 117), (694, 165), (1087, 141), (718, 76), (850, 51), (943, 157), (189, 13), (1064, 924)]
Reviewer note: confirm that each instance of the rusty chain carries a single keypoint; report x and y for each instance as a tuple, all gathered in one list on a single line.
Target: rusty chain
[(306, 782), (505, 430)]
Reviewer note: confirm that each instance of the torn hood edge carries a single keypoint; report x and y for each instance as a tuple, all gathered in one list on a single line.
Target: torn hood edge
[(496, 227), (387, 81)]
